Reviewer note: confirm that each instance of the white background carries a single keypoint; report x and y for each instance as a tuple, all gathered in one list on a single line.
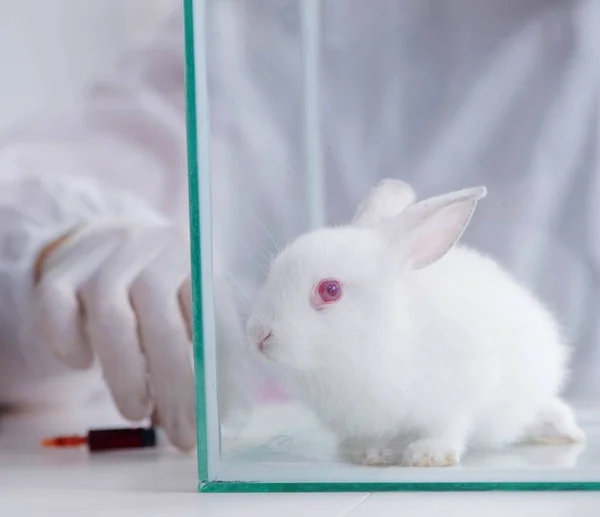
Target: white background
[(49, 50)]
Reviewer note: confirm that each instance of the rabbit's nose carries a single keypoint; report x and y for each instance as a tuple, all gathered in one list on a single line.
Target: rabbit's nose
[(263, 339), (259, 334)]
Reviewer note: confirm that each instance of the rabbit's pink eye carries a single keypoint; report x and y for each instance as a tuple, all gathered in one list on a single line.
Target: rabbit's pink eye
[(329, 291), (326, 292)]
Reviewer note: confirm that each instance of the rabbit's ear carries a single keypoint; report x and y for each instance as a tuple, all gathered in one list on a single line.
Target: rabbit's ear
[(427, 230), (386, 200)]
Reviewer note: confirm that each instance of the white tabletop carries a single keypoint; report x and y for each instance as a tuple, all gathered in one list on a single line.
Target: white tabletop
[(162, 482)]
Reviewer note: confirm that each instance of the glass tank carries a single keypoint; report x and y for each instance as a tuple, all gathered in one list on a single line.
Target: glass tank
[(395, 243)]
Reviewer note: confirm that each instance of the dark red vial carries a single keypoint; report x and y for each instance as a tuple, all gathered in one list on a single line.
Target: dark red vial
[(114, 439)]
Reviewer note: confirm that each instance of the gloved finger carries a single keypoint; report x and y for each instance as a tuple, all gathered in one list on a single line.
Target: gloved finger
[(155, 419), (111, 327), (154, 296), (185, 303), (58, 312), (59, 315), (111, 324)]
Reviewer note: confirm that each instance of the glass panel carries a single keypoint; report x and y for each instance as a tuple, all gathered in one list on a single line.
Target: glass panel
[(429, 357)]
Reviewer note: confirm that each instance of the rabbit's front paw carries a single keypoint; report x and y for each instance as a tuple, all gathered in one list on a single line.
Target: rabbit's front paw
[(430, 453)]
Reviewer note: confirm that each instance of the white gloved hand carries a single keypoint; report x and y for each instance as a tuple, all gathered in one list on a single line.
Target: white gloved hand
[(119, 291)]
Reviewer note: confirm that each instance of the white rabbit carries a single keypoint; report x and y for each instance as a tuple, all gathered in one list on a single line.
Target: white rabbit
[(409, 348)]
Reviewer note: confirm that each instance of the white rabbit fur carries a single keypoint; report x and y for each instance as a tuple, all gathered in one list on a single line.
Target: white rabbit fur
[(416, 362)]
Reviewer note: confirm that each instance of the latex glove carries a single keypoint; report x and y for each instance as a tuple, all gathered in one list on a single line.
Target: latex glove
[(119, 291)]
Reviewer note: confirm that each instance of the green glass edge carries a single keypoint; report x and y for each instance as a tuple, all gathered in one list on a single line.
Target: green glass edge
[(193, 186), (240, 487), (233, 487)]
